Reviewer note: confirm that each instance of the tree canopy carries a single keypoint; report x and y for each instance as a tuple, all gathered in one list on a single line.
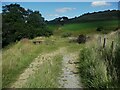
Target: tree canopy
[(20, 23)]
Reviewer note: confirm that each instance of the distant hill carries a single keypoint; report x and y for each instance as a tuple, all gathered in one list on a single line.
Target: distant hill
[(95, 16)]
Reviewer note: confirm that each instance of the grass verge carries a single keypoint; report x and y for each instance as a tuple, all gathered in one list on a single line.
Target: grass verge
[(18, 57), (47, 75), (99, 67)]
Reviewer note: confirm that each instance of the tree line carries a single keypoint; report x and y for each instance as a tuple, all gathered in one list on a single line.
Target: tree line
[(88, 17), (18, 23)]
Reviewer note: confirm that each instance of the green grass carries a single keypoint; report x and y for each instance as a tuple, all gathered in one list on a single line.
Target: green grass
[(88, 25), (93, 68), (0, 69), (47, 75), (85, 28), (100, 67), (18, 57), (53, 27)]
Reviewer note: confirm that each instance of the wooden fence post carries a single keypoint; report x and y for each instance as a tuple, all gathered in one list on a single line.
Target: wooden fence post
[(99, 40), (104, 43), (112, 46)]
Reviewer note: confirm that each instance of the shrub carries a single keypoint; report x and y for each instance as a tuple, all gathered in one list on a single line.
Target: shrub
[(99, 29), (81, 39)]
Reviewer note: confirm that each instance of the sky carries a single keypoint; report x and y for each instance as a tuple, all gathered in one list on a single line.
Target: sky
[(52, 10), (57, 0)]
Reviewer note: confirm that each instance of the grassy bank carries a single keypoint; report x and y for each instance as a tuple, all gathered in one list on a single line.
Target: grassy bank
[(99, 67), (18, 57)]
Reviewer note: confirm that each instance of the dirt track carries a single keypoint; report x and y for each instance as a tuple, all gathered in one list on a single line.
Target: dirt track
[(68, 78)]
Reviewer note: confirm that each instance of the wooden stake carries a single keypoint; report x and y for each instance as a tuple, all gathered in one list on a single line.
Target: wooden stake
[(112, 46), (104, 43)]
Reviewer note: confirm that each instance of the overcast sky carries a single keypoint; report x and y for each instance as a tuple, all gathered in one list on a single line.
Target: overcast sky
[(51, 10)]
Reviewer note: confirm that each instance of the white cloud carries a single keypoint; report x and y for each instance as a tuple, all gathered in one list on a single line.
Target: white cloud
[(99, 3), (65, 9)]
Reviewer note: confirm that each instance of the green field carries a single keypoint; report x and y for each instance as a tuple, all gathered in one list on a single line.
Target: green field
[(84, 28)]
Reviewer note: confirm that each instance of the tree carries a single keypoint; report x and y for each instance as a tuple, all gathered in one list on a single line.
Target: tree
[(20, 23), (12, 20), (35, 19)]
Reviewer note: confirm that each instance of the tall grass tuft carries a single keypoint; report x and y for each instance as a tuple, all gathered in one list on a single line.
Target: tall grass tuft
[(92, 68), (17, 58), (116, 60), (100, 66)]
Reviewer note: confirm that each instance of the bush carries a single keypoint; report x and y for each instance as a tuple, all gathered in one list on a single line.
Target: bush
[(99, 29), (81, 39)]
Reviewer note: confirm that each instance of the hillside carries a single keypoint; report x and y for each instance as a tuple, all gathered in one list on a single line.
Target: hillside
[(87, 23), (95, 16)]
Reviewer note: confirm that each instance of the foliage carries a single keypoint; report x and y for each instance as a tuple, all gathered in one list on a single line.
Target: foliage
[(60, 20), (20, 23), (99, 29), (81, 38)]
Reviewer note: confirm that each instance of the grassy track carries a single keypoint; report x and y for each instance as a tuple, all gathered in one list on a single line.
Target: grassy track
[(47, 75), (18, 57)]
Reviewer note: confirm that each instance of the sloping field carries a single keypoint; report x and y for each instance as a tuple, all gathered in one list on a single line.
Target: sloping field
[(85, 28)]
